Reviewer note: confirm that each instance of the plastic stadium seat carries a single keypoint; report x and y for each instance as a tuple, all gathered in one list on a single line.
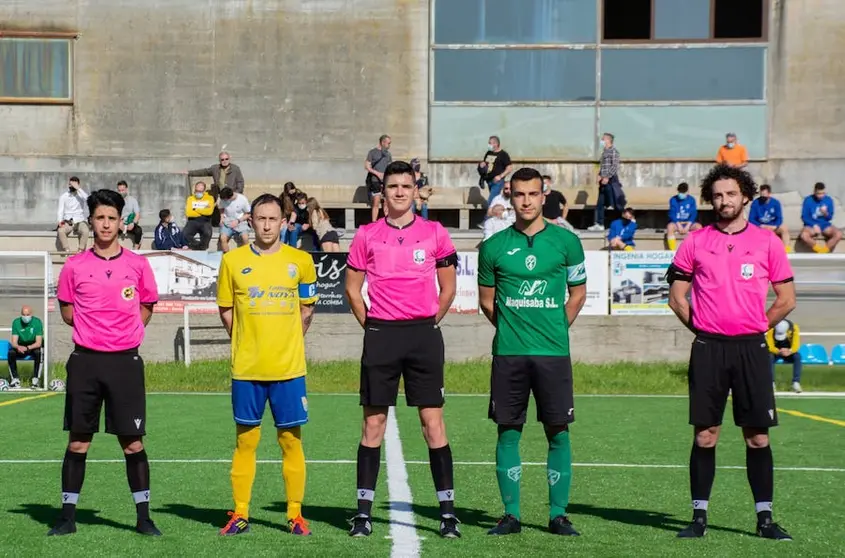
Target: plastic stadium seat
[(4, 349), (837, 354), (812, 353)]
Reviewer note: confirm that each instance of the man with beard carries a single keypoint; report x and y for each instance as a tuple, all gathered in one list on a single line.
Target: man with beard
[(728, 267)]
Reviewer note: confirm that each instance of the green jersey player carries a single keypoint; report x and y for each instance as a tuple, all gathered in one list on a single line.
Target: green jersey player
[(524, 272)]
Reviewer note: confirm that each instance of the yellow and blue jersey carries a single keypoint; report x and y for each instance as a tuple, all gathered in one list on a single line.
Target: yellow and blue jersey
[(265, 292)]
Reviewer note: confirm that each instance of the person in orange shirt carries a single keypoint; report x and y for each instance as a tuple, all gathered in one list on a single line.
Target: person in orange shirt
[(732, 153)]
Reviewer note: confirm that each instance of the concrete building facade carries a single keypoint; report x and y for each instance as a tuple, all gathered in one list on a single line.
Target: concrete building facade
[(301, 89)]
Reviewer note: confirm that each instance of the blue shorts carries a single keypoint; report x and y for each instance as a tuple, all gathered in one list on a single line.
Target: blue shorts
[(287, 402), (233, 233)]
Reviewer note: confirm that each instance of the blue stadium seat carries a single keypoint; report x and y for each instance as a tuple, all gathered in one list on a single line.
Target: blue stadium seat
[(837, 354), (812, 353), (4, 350)]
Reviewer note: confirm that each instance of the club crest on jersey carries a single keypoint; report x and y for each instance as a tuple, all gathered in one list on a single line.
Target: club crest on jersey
[(419, 257), (128, 293), (747, 271), (292, 271), (531, 262)]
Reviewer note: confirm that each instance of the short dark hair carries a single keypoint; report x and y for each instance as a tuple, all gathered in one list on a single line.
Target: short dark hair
[(109, 198), (301, 196), (526, 174), (765, 188), (396, 168), (683, 188), (74, 179), (547, 177), (611, 136), (498, 141), (725, 172), (628, 210), (226, 193), (264, 199), (819, 186), (122, 183), (383, 137), (163, 214)]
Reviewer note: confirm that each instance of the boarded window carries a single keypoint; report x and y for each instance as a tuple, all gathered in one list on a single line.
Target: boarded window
[(35, 70)]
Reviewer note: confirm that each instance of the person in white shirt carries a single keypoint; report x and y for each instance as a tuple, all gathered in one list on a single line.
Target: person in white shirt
[(72, 216), (500, 212), (234, 218)]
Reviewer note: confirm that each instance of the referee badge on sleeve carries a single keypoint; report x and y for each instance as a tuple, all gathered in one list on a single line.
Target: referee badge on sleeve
[(747, 271)]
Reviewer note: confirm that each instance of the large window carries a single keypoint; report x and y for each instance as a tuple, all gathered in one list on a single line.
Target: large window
[(515, 75), (684, 20), (35, 70), (515, 21), (668, 77)]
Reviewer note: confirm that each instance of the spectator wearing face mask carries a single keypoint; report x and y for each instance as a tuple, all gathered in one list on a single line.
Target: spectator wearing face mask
[(732, 153), (130, 226), (198, 210), (298, 223), (555, 208), (682, 215), (817, 215), (500, 213), (72, 216), (27, 341), (168, 235), (767, 213), (493, 169), (234, 218), (620, 235)]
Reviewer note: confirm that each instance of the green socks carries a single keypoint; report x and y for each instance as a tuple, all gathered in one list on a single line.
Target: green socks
[(559, 472), (509, 468)]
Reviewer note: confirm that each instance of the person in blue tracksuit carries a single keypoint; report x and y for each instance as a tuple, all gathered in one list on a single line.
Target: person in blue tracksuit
[(682, 215), (620, 235), (767, 213), (817, 215), (168, 235)]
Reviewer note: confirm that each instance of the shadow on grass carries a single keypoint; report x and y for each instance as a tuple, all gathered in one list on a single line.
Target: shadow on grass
[(47, 515), (642, 518), (213, 517), (468, 516)]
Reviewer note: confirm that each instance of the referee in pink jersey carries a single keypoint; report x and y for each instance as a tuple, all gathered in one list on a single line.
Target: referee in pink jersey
[(107, 295), (728, 266), (404, 258)]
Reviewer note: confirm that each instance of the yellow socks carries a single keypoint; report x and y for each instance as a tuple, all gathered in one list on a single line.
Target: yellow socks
[(629, 248), (293, 468), (673, 244), (821, 249), (243, 467)]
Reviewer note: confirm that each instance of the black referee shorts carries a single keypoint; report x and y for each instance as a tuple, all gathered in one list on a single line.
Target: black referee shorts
[(737, 365), (412, 350), (116, 379)]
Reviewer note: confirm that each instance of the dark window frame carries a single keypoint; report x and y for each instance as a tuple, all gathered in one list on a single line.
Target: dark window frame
[(68, 36), (712, 27)]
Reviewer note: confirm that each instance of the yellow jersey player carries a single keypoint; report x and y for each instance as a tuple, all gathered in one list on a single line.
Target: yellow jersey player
[(266, 292)]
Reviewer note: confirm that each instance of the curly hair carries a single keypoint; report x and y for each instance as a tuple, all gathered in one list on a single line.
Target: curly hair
[(747, 186)]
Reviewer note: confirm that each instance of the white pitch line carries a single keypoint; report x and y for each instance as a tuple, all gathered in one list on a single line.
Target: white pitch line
[(406, 542), (457, 464)]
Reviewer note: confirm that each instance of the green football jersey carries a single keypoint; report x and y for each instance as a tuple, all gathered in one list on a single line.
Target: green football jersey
[(531, 276)]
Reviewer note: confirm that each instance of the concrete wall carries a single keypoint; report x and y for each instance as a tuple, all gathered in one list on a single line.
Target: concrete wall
[(300, 89)]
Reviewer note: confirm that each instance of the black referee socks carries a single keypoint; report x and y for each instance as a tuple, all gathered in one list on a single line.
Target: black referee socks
[(138, 475), (759, 467), (369, 461), (73, 475), (442, 472), (702, 472)]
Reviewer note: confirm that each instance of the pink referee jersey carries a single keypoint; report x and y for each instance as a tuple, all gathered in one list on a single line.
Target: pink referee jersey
[(730, 277), (401, 267), (107, 295)]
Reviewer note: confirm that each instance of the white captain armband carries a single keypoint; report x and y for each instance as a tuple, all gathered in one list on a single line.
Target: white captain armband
[(307, 290), (576, 274)]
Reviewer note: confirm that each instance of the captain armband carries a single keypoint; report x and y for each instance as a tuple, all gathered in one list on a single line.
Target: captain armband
[(674, 273), (448, 261), (307, 290)]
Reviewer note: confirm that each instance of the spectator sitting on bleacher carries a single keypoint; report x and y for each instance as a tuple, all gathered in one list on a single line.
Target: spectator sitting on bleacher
[(27, 340), (493, 169), (198, 210), (500, 213), (168, 235), (767, 213), (298, 221), (554, 205), (732, 153), (234, 218), (784, 341), (817, 215), (620, 235), (423, 192), (72, 216), (682, 215), (326, 238), (130, 226)]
